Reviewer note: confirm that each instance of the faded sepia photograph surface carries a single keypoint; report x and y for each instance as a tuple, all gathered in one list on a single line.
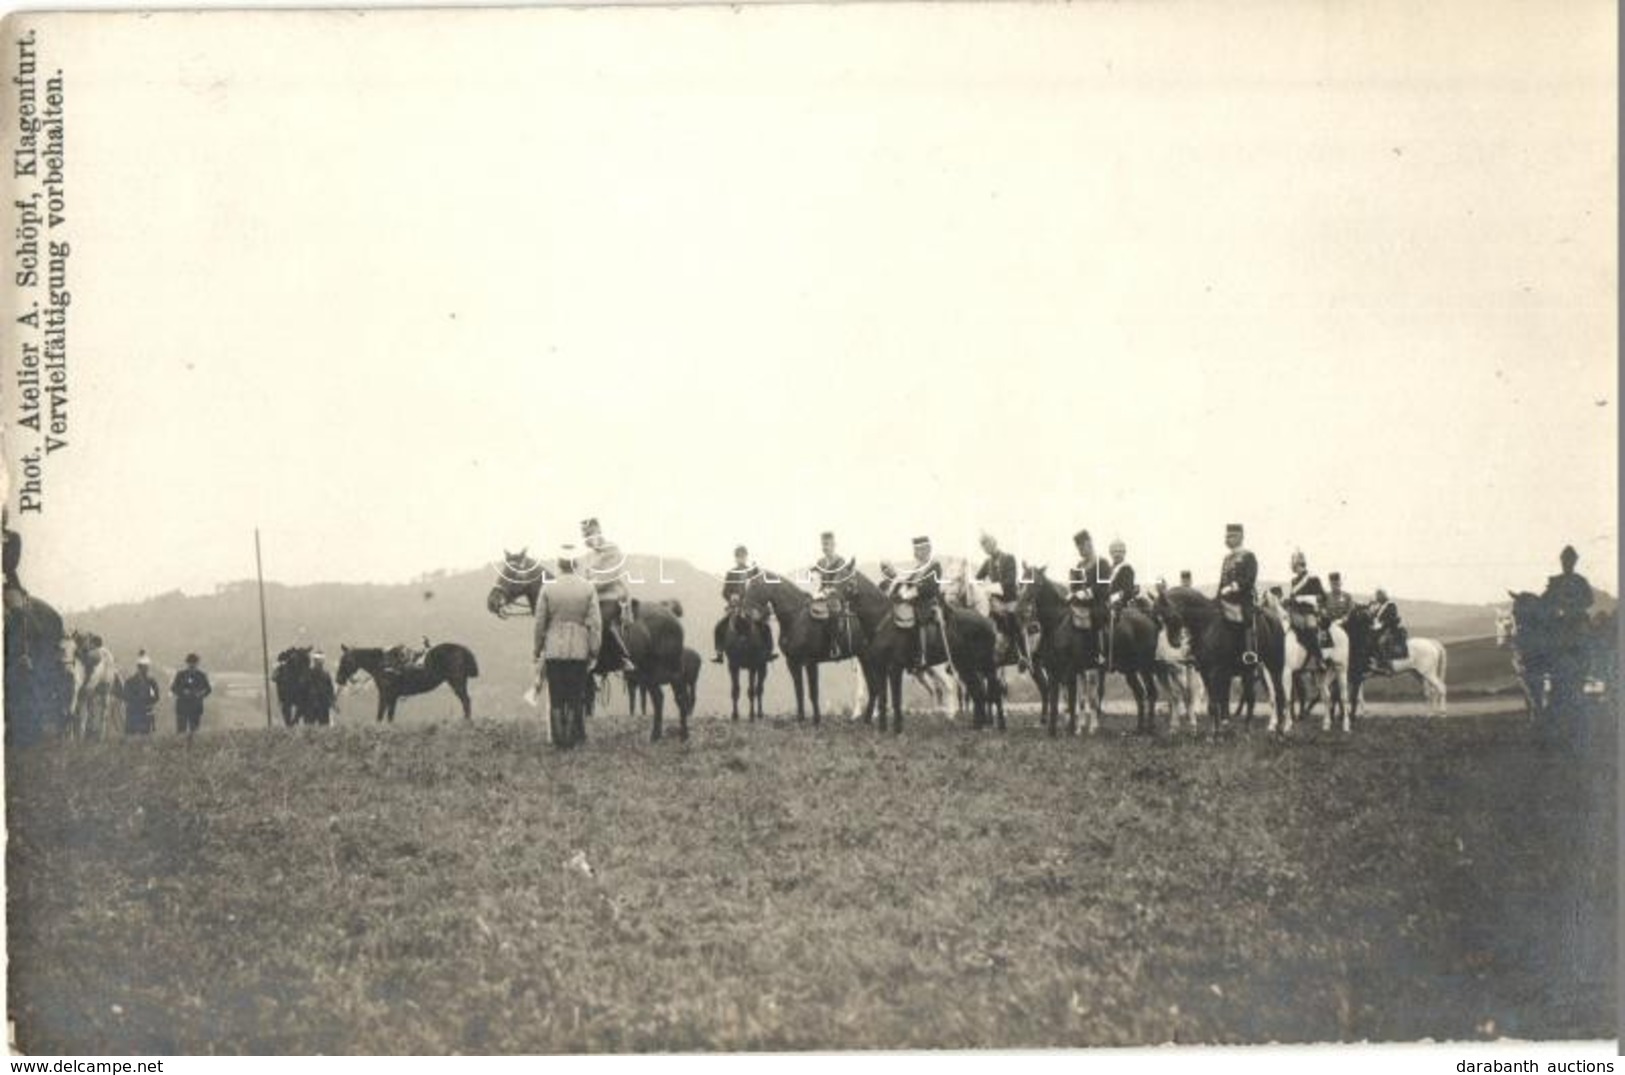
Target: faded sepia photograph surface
[(810, 527)]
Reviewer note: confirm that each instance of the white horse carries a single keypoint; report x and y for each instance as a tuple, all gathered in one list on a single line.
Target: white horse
[(1300, 661), (1426, 659), (97, 699), (1175, 674)]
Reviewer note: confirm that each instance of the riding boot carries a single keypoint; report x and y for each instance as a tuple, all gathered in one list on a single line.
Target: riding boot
[(716, 637)]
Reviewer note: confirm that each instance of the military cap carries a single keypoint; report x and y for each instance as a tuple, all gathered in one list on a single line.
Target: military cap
[(919, 541), (1233, 528), (1568, 553), (740, 550), (192, 658), (827, 535), (1081, 535), (1335, 576), (1117, 543)]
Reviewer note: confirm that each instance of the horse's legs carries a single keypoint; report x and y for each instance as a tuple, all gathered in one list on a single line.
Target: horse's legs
[(897, 700), (812, 692), (1133, 677), (381, 706), (459, 687), (760, 691), (1072, 701), (658, 719), (733, 686), (797, 671)]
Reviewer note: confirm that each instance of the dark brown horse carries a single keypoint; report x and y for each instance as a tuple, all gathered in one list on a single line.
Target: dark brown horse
[(39, 684), (961, 638), (805, 641), (1065, 651), (292, 679), (746, 645), (1219, 646), (654, 642), (448, 663)]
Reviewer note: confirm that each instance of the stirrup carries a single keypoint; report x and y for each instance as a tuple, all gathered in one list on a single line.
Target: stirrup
[(1249, 658)]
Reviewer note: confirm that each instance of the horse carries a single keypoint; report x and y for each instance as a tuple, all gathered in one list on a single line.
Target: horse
[(1424, 658), (1173, 671), (805, 640), (1067, 652), (1298, 661), (448, 662), (654, 643), (1218, 647), (291, 677), (963, 639), (519, 578), (1550, 667), (98, 699), (38, 686), (686, 689), (746, 645)]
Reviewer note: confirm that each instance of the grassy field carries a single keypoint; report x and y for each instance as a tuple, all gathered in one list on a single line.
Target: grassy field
[(451, 888)]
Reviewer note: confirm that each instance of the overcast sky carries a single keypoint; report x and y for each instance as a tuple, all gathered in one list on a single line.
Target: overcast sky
[(409, 288)]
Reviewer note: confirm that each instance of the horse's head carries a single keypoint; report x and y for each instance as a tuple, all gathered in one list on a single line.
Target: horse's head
[(1037, 596), (1505, 627), (349, 665)]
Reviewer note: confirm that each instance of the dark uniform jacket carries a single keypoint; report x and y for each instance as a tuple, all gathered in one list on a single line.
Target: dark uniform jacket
[(1000, 568), (1121, 588), (190, 687), (1570, 597), (1087, 585), (926, 579), (321, 689), (737, 578), (833, 572), (1385, 617), (140, 695), (1240, 569), (1337, 605)]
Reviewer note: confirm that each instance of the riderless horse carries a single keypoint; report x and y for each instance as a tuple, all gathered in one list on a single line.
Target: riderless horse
[(98, 698), (654, 643), (446, 663), (292, 679)]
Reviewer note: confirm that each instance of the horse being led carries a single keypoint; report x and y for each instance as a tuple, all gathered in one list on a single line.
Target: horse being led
[(98, 699), (446, 663), (292, 679), (519, 579)]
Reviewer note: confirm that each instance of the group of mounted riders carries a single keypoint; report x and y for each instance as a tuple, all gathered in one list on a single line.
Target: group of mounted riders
[(1098, 590)]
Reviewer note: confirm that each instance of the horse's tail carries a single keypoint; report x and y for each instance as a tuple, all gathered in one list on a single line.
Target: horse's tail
[(472, 664), (1444, 666)]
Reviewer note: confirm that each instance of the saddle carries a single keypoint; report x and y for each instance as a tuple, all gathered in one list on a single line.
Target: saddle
[(1083, 617), (825, 606), (1233, 612)]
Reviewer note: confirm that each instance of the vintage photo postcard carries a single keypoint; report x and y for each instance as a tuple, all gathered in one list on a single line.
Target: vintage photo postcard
[(811, 528)]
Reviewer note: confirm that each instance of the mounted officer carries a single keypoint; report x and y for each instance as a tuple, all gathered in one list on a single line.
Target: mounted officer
[(999, 568), (1569, 597), (1390, 632), (1338, 602), (920, 585), (1304, 594), (831, 573), (605, 567), (734, 582), (1088, 585), (1238, 589)]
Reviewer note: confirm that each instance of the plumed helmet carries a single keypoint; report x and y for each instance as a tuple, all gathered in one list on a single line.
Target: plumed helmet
[(1117, 546)]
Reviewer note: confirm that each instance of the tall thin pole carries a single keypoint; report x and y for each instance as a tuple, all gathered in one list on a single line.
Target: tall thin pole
[(265, 638)]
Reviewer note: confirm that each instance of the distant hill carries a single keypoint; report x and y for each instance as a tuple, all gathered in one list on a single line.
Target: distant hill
[(450, 606)]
